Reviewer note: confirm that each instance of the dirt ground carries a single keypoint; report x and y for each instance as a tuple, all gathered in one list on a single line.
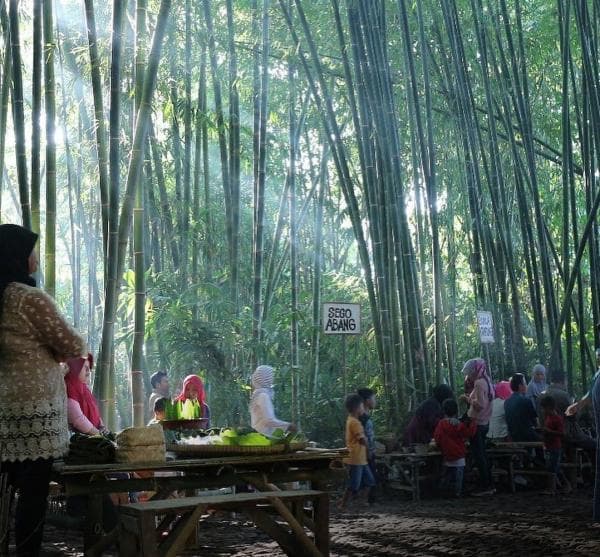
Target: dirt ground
[(522, 524)]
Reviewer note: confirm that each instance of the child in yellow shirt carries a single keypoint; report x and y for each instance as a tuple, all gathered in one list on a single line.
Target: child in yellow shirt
[(360, 478)]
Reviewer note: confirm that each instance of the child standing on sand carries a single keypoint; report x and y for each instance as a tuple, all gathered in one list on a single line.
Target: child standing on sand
[(554, 431), (369, 402), (360, 478), (450, 435)]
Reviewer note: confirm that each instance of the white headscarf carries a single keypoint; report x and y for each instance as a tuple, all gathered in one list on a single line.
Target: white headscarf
[(262, 413), (535, 389), (262, 381)]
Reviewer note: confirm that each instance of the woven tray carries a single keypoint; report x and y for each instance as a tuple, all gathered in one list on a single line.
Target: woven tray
[(222, 450)]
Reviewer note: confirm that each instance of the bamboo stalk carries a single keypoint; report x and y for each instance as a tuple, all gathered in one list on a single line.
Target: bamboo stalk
[(19, 113), (50, 105)]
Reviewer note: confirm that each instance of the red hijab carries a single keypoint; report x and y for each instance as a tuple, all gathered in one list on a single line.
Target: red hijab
[(80, 392), (193, 381)]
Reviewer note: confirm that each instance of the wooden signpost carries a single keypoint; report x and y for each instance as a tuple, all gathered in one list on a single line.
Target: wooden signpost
[(485, 324), (341, 319)]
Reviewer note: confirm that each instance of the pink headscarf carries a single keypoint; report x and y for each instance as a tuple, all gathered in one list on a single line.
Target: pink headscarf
[(475, 369), (193, 381), (503, 390), (80, 392)]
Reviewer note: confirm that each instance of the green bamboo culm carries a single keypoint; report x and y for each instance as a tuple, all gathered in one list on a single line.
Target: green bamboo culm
[(104, 386), (50, 105), (5, 78), (19, 112), (234, 158), (36, 109), (187, 146), (139, 228), (259, 186), (99, 123)]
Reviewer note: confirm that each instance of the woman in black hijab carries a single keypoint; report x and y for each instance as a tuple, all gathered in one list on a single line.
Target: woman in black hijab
[(427, 415), (17, 255), (34, 338)]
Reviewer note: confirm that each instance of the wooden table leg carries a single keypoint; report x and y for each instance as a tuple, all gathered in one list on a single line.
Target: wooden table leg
[(511, 474), (93, 524), (147, 532), (416, 485), (321, 517)]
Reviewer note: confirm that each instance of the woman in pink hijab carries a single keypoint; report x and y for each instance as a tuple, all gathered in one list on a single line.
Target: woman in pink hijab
[(83, 413), (479, 393)]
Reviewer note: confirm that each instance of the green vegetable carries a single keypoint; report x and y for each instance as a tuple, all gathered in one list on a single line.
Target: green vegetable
[(229, 437), (254, 440)]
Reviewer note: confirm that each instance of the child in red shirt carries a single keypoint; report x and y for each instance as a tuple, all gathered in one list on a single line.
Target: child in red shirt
[(554, 431), (449, 436)]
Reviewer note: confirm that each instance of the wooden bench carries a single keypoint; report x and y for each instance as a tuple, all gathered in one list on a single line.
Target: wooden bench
[(572, 463), (138, 534)]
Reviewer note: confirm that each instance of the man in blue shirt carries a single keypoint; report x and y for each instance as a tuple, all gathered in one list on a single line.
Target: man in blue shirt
[(521, 417)]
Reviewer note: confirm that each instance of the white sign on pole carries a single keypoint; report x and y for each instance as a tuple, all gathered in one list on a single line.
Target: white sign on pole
[(341, 319), (486, 327)]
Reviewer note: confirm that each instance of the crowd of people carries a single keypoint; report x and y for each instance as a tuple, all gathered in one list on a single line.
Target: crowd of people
[(539, 410)]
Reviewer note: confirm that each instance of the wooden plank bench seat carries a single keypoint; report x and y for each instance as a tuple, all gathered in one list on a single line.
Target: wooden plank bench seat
[(138, 534)]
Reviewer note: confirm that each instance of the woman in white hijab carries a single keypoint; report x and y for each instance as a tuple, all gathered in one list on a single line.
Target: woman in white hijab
[(262, 414), (538, 384)]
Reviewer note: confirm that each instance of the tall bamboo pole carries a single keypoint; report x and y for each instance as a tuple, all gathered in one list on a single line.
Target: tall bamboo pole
[(259, 188), (36, 109), (187, 145), (294, 282), (99, 120), (50, 105), (4, 93), (139, 255), (104, 385), (19, 113), (234, 157)]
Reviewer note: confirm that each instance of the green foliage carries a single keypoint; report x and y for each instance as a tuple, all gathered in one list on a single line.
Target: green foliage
[(194, 325)]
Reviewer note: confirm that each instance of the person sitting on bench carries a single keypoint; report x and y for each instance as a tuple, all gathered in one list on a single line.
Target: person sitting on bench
[(574, 434), (521, 417)]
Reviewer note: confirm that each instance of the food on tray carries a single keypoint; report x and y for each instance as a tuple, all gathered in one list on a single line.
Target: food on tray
[(242, 437), (178, 410)]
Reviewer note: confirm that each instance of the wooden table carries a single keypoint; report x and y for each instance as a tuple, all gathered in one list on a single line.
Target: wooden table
[(317, 467), (408, 470)]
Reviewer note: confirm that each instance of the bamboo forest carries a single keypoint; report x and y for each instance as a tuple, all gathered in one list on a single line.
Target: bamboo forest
[(204, 175)]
